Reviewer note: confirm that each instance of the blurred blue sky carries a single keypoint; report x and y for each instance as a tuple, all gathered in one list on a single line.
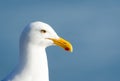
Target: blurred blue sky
[(92, 26)]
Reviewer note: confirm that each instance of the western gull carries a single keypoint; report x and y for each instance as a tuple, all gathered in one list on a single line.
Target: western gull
[(33, 65)]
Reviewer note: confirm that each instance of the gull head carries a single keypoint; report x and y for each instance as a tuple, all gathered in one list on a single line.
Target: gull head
[(42, 34)]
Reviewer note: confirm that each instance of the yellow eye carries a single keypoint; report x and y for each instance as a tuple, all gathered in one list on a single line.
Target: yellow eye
[(43, 31)]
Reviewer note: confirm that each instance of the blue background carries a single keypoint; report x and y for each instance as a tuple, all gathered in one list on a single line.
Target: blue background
[(92, 26)]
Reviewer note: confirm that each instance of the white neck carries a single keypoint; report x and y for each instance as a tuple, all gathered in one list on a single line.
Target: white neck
[(34, 61), (33, 64)]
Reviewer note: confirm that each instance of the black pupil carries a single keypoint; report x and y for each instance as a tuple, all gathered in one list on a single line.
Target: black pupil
[(43, 31)]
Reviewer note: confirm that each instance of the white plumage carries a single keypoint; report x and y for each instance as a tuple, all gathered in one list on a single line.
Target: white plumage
[(33, 64)]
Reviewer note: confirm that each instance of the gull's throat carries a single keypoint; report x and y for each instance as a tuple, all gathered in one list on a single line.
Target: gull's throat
[(33, 61), (33, 65)]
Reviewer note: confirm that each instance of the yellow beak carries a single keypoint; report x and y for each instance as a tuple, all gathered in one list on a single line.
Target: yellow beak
[(62, 43)]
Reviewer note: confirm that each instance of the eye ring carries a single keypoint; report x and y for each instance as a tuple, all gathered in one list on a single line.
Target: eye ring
[(43, 31)]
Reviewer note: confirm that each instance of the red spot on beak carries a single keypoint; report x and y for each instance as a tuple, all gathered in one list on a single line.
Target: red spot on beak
[(67, 49)]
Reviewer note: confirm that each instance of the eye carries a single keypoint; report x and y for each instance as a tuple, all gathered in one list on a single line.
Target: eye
[(43, 31)]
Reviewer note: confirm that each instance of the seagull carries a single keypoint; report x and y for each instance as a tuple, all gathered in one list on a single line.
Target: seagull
[(33, 64)]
